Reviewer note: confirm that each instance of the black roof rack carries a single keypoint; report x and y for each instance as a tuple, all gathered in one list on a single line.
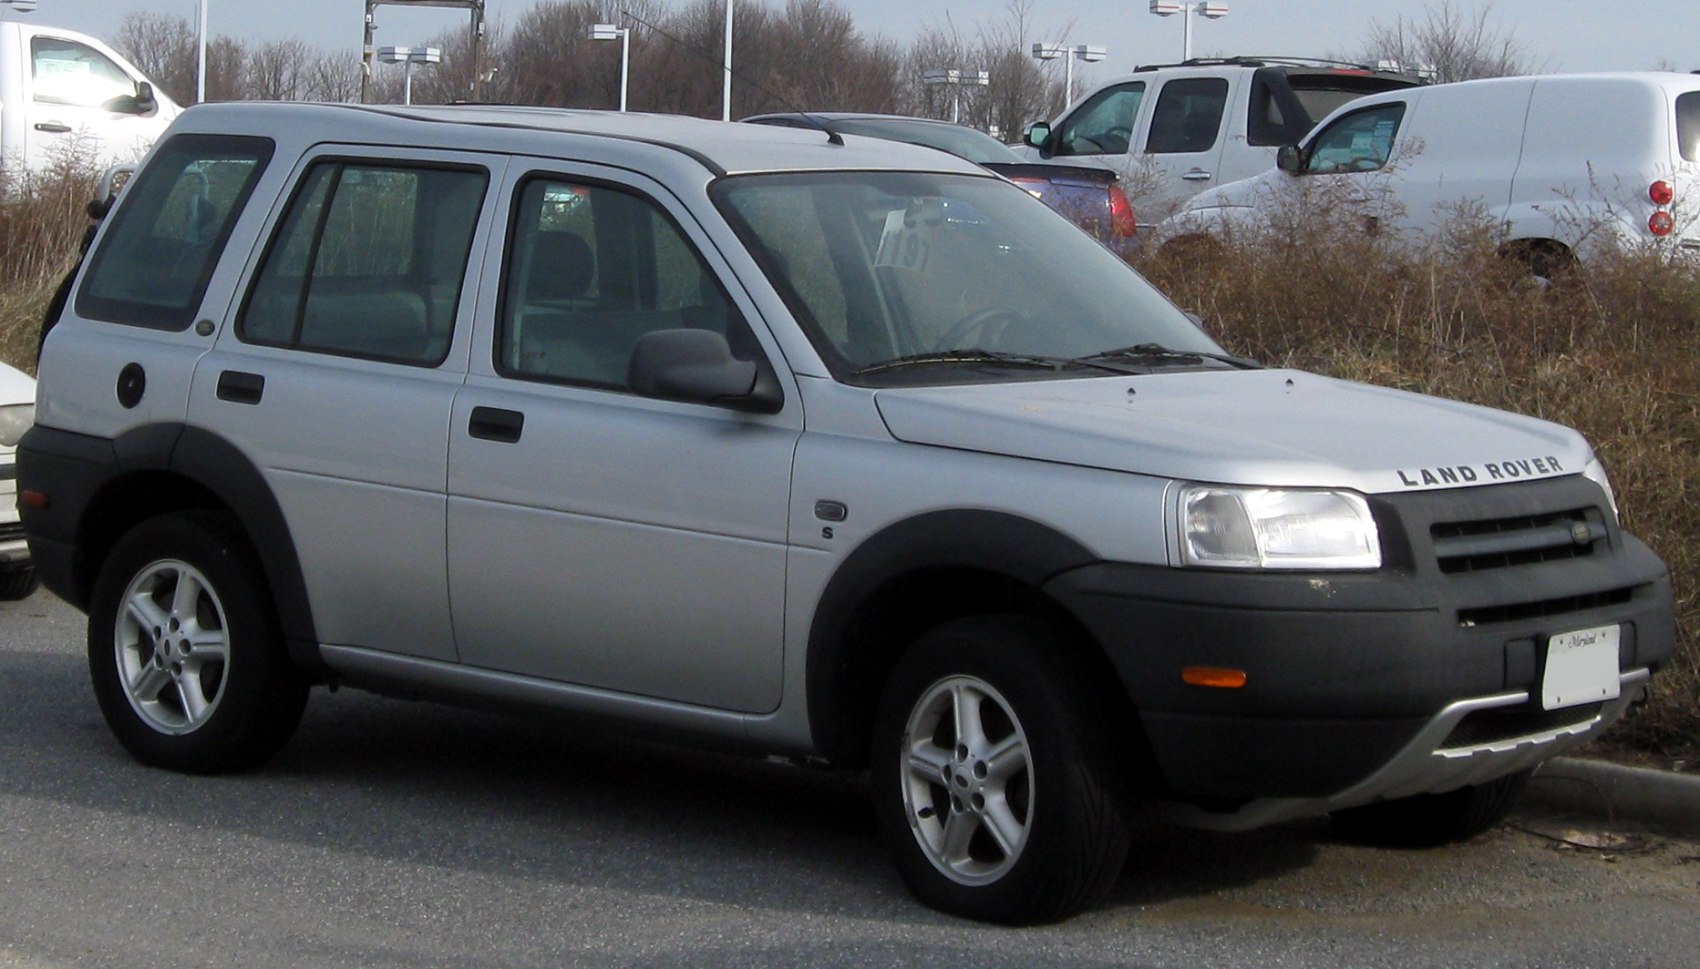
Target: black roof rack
[(1269, 60)]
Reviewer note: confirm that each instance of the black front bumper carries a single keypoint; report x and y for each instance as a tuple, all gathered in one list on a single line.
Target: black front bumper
[(1345, 670)]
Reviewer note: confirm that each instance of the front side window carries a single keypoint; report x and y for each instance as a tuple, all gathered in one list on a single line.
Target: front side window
[(591, 269), (1103, 124), (915, 278), (1358, 142), (369, 261), (66, 72), (1188, 115), (153, 264)]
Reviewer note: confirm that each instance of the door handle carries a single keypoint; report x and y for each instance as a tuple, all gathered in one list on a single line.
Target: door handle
[(496, 424), (1198, 176), (53, 127), (241, 388)]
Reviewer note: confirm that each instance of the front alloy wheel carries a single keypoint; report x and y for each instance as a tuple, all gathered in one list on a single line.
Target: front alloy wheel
[(969, 790)]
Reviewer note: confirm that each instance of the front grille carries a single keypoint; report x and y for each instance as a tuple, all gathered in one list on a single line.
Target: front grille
[(1499, 543), (1487, 615), (11, 530), (1493, 726)]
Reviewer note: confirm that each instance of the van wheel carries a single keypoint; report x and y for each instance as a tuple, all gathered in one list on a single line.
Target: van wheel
[(1429, 820), (1547, 260), (185, 653), (995, 777), (18, 583)]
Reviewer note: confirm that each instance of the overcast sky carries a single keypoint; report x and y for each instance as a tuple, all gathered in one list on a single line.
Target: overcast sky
[(1557, 35)]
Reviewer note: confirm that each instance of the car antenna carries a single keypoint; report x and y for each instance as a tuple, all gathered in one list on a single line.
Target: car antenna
[(832, 137)]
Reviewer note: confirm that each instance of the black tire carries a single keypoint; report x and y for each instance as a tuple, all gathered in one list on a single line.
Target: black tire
[(18, 583), (1429, 820), (204, 685), (1059, 799)]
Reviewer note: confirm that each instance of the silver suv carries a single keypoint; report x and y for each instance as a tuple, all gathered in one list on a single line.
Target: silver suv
[(828, 448)]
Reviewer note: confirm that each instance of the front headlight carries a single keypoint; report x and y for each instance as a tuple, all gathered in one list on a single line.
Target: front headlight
[(15, 419), (1596, 472), (1273, 528)]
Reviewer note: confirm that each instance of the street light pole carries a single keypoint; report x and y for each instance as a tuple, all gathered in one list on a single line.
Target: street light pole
[(624, 36), (1186, 8), (726, 91), (956, 79), (1090, 53), (201, 60), (407, 57)]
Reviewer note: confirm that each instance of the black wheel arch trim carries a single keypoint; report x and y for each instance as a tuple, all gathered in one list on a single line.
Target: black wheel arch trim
[(997, 543), (51, 460)]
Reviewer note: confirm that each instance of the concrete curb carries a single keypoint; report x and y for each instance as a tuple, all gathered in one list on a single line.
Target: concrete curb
[(1613, 792)]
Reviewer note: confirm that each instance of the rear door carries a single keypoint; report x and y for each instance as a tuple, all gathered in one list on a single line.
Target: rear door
[(336, 371), (597, 536)]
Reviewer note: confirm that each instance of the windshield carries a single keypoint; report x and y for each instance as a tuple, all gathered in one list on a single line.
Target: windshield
[(881, 267)]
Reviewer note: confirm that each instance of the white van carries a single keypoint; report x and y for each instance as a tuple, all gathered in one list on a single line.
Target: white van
[(1560, 165), (67, 95)]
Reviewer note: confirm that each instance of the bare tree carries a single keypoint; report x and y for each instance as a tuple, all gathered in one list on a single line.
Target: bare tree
[(277, 71), (1455, 46), (165, 49)]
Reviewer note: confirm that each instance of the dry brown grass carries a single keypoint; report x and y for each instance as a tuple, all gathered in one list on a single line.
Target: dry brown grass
[(1607, 348), (43, 216)]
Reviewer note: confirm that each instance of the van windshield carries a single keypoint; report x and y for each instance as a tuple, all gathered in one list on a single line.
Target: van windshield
[(909, 277)]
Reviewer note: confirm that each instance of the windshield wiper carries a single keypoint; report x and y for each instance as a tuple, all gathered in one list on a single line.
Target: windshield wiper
[(976, 355), (1158, 353)]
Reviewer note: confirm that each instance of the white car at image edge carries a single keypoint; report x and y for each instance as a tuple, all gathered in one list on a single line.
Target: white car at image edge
[(17, 413)]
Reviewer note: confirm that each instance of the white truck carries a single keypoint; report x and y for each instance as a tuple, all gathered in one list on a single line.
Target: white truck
[(67, 96)]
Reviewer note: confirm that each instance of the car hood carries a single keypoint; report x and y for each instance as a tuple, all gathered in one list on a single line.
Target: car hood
[(1282, 428)]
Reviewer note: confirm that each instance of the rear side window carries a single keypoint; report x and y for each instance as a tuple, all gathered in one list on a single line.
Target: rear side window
[(590, 270), (152, 266), (1188, 115), (1688, 125), (1103, 124), (368, 262)]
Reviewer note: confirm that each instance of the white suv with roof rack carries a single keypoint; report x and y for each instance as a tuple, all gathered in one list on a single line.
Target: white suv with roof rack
[(1173, 130), (819, 446)]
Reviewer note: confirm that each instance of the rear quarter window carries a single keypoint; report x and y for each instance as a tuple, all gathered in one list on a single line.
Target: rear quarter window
[(1688, 125), (152, 265)]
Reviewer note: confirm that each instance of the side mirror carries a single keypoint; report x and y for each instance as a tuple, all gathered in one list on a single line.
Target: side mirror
[(145, 100), (1290, 159), (1036, 134), (698, 366)]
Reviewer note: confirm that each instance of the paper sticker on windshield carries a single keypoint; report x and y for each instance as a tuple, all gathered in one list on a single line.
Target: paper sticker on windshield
[(906, 240)]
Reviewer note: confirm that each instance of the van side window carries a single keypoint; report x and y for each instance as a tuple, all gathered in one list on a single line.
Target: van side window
[(152, 266), (1103, 124), (590, 269), (1688, 125), (66, 72), (1188, 115), (368, 262), (1359, 142)]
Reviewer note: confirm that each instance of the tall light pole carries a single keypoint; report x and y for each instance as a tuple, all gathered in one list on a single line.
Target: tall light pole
[(955, 79), (201, 58), (726, 91), (1090, 53), (1186, 8), (624, 36), (407, 57)]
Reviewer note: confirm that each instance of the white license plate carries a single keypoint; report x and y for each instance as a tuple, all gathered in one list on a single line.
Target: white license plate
[(1581, 667)]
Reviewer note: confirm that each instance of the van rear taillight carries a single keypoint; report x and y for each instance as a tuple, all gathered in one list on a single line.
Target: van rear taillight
[(1661, 192), (1661, 223), (1121, 213)]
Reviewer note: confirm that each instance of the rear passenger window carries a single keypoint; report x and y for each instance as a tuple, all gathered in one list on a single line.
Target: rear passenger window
[(591, 269), (1188, 115), (152, 266), (1688, 125), (368, 262)]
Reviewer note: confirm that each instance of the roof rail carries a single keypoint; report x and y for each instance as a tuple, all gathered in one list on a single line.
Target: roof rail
[(1261, 60)]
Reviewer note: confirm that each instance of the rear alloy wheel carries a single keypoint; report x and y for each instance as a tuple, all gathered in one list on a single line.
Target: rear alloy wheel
[(996, 779), (185, 655), (18, 583)]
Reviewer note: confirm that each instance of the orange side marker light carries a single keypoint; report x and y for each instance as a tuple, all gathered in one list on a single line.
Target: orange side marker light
[(1214, 676)]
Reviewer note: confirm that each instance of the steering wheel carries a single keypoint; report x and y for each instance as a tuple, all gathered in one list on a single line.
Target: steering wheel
[(978, 329)]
